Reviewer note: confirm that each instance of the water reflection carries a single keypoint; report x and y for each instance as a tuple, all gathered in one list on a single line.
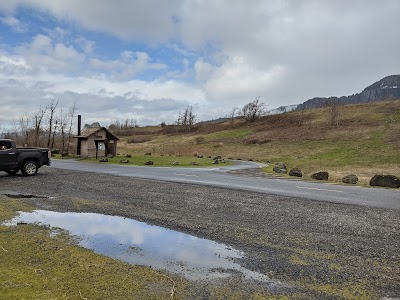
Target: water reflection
[(142, 244)]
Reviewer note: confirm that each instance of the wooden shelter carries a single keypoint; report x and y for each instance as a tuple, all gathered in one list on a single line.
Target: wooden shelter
[(97, 142)]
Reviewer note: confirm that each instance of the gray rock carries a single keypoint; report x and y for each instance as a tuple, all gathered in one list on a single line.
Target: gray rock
[(279, 170), (103, 160), (124, 161), (175, 163), (320, 176), (280, 167), (110, 155), (296, 172), (215, 162), (390, 181), (149, 163), (351, 179)]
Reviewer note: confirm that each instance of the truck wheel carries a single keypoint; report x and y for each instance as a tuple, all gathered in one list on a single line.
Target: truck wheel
[(12, 172), (30, 168)]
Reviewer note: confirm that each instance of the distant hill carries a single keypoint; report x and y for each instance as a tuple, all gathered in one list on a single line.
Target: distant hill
[(387, 88)]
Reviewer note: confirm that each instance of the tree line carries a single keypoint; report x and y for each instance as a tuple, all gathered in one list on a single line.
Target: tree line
[(50, 126)]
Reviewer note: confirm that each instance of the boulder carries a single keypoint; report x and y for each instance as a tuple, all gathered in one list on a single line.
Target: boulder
[(215, 162), (175, 163), (124, 161), (390, 181), (351, 179), (320, 176), (279, 170), (110, 155), (103, 160), (280, 167), (296, 172), (149, 163)]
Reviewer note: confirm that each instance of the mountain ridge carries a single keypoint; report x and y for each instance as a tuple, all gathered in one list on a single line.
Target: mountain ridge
[(388, 88)]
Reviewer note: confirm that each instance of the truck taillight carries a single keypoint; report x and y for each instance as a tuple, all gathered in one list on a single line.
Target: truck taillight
[(49, 154)]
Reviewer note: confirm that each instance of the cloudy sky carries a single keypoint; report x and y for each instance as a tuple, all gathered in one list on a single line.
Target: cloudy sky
[(147, 60)]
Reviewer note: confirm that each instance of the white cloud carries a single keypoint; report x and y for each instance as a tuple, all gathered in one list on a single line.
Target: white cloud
[(43, 55), (86, 45), (129, 65), (225, 52), (203, 70), (238, 81), (151, 20), (14, 23)]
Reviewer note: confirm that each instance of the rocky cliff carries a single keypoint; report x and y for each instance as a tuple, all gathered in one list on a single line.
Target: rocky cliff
[(387, 88)]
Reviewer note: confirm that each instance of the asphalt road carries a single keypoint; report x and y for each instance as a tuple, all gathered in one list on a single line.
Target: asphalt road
[(233, 177), (320, 248)]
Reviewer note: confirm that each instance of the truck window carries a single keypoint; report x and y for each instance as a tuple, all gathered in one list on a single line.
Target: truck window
[(5, 146)]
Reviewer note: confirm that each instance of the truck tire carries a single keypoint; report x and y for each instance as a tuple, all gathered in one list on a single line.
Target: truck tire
[(12, 172), (30, 168)]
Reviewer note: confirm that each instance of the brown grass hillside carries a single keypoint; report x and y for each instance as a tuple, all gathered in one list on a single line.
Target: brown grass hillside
[(366, 141)]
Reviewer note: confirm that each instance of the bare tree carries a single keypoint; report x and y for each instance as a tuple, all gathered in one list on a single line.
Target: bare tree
[(71, 115), (233, 114), (186, 119), (63, 120), (51, 109), (25, 128), (334, 108), (38, 118), (253, 110), (56, 123)]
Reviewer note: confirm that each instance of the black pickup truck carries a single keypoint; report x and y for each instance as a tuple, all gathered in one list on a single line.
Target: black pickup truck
[(28, 160)]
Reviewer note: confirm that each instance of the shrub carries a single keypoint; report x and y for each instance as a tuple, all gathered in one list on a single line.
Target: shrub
[(138, 139), (257, 141), (200, 140)]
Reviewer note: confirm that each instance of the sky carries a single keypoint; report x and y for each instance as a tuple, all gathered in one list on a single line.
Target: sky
[(149, 60)]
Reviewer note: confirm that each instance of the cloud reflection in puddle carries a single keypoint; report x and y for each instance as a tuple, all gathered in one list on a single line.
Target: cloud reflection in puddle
[(142, 244)]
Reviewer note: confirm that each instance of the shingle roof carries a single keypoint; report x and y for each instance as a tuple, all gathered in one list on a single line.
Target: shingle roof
[(90, 131)]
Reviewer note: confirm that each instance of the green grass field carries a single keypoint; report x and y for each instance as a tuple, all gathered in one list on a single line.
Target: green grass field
[(366, 141), (161, 161)]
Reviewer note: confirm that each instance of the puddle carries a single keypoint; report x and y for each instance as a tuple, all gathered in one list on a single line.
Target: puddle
[(142, 244)]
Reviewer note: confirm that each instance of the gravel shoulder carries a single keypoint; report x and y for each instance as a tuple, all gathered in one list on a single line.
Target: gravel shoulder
[(329, 251)]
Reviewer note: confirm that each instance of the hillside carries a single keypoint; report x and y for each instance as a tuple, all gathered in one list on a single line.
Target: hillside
[(385, 89), (366, 141)]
